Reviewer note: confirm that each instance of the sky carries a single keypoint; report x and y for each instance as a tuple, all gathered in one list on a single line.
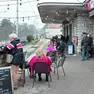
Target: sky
[(28, 12)]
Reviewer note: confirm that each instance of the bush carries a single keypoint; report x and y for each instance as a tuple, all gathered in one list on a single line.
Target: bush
[(30, 38)]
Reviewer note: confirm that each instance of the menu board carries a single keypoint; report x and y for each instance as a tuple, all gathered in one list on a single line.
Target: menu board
[(6, 86)]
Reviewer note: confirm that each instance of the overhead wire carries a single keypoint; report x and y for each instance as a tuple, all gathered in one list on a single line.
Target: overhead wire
[(21, 17), (21, 11), (18, 3), (7, 0), (31, 7)]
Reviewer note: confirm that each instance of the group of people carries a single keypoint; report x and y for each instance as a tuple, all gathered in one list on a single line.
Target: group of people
[(59, 44), (15, 48), (56, 44), (86, 46)]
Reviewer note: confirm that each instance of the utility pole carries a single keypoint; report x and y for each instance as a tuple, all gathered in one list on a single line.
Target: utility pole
[(17, 17)]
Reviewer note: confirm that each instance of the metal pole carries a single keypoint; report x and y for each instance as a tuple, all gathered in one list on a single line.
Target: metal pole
[(17, 17)]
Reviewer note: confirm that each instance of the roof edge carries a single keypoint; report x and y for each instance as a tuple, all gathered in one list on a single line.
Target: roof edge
[(58, 3)]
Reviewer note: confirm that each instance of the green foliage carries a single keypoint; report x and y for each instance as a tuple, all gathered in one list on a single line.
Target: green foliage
[(25, 30), (6, 27), (34, 41), (30, 38)]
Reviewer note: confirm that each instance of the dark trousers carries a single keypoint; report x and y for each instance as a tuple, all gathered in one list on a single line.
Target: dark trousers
[(39, 74), (90, 52)]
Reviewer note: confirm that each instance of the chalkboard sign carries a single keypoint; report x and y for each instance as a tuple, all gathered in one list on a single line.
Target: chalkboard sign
[(6, 86)]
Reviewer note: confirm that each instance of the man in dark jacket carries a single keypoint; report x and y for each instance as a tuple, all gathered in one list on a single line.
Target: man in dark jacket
[(84, 47), (15, 49), (61, 47), (90, 45)]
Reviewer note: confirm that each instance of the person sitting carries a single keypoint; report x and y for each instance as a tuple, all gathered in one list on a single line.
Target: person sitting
[(50, 49), (40, 57)]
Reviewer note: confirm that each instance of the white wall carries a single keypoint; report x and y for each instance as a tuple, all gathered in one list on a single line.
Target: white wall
[(82, 24), (52, 32)]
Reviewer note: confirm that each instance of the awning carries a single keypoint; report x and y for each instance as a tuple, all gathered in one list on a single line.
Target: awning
[(58, 12)]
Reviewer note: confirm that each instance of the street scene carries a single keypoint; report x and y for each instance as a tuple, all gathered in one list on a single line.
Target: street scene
[(78, 79), (46, 46)]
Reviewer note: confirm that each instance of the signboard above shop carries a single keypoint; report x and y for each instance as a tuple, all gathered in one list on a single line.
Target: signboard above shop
[(91, 13), (90, 5)]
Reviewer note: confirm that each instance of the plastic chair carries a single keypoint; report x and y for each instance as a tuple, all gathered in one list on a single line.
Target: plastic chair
[(41, 67), (53, 57), (59, 63)]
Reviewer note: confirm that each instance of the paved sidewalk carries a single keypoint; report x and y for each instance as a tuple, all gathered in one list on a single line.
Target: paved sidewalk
[(79, 79)]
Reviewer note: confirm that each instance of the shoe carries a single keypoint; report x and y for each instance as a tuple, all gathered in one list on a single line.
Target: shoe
[(82, 59), (90, 56), (15, 88), (86, 58), (46, 78), (40, 79), (33, 76)]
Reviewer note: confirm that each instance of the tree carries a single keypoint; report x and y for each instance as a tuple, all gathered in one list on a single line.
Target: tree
[(25, 30), (33, 30), (6, 28)]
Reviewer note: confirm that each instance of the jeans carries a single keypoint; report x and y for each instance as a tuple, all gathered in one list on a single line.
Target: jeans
[(85, 53)]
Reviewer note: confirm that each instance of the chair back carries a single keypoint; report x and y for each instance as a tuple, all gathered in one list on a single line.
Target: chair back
[(61, 61), (40, 67)]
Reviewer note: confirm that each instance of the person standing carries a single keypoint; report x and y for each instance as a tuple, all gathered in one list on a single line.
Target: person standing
[(84, 47), (62, 46), (90, 46), (15, 49)]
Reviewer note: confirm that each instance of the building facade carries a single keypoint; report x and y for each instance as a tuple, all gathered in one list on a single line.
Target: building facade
[(75, 18)]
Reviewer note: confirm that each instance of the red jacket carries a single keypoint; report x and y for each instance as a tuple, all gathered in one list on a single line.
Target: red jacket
[(34, 59)]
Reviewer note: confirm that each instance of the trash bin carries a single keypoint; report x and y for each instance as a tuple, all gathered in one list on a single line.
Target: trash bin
[(70, 49)]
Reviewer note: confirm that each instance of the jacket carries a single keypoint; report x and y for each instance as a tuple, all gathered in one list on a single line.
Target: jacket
[(85, 42), (45, 59), (15, 49)]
